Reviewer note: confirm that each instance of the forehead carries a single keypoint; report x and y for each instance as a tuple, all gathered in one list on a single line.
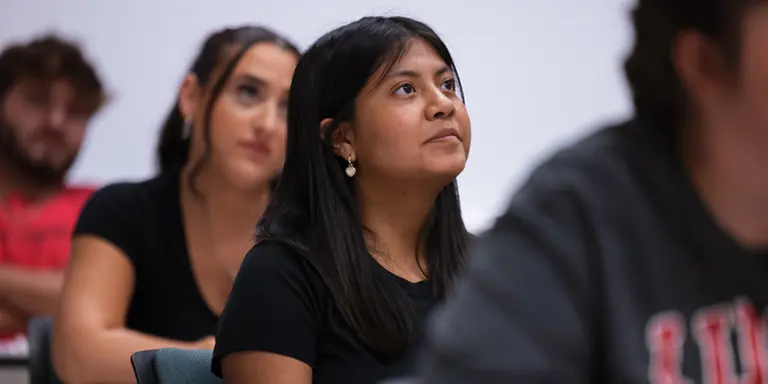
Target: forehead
[(60, 90), (419, 54), (60, 87), (268, 62)]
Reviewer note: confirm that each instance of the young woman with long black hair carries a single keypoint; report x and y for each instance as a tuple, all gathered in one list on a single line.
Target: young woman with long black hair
[(153, 262), (364, 232)]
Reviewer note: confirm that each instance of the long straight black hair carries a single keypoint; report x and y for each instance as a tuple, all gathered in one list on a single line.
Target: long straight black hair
[(222, 49), (314, 208)]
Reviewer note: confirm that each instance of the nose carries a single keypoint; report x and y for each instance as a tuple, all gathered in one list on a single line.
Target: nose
[(56, 117), (269, 118), (440, 106)]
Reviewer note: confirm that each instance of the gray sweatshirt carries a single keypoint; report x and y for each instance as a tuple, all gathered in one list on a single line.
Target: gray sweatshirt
[(606, 268)]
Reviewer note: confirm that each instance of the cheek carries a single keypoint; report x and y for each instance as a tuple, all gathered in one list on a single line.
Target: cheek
[(465, 125), (754, 65), (27, 123), (75, 138), (77, 129), (29, 139), (277, 144), (25, 128), (391, 139), (229, 125), (754, 94)]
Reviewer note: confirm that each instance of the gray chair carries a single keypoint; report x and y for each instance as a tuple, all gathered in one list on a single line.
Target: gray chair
[(173, 366), (41, 369), (143, 363), (183, 366)]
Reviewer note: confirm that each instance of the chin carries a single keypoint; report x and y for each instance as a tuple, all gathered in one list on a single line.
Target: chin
[(250, 177), (447, 172), (449, 165)]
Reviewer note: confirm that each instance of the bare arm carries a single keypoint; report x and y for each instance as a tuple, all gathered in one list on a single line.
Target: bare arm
[(90, 341), (33, 292), (264, 368), (12, 320)]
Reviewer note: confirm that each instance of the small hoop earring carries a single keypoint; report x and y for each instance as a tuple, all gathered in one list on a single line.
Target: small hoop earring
[(351, 170), (186, 130)]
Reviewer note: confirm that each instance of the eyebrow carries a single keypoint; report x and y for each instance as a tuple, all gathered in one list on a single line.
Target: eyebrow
[(247, 77), (251, 78), (410, 73)]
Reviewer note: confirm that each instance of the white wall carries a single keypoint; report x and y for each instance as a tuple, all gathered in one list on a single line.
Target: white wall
[(535, 72)]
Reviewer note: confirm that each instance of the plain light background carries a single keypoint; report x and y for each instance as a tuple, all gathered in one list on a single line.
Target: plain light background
[(536, 73)]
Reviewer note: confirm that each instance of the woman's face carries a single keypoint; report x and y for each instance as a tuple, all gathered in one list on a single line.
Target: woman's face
[(411, 124), (248, 122)]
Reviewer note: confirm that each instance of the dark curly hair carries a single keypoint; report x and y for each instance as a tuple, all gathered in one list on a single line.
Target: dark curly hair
[(50, 57)]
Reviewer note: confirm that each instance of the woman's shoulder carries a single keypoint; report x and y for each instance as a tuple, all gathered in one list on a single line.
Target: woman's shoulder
[(277, 304), (132, 201), (279, 256), (134, 193), (124, 213), (280, 262)]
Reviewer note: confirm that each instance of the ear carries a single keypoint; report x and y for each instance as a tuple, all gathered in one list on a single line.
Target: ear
[(189, 96), (343, 140), (701, 65)]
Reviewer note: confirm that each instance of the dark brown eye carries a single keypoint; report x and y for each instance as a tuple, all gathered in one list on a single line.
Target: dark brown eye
[(449, 85), (405, 89), (247, 93)]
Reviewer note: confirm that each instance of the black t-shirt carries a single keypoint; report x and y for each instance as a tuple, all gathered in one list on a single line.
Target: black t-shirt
[(280, 304), (144, 221), (607, 268)]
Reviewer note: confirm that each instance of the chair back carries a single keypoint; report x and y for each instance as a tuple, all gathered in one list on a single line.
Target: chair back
[(143, 363), (174, 366), (41, 370)]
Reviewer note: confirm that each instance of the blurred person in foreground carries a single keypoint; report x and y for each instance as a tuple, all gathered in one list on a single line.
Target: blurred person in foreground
[(640, 253), (48, 94), (153, 261)]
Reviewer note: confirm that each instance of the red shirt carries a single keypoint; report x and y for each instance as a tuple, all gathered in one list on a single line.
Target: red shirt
[(38, 235)]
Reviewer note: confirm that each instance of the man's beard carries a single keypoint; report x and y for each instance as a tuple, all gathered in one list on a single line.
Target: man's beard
[(14, 155)]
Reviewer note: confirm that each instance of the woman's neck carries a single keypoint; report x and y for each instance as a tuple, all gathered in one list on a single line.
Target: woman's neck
[(394, 219), (223, 212)]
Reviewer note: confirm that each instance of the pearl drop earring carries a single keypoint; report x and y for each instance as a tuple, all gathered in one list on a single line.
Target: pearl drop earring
[(351, 170)]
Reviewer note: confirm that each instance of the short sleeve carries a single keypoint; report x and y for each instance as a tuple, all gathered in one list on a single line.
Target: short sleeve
[(273, 307), (113, 215)]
